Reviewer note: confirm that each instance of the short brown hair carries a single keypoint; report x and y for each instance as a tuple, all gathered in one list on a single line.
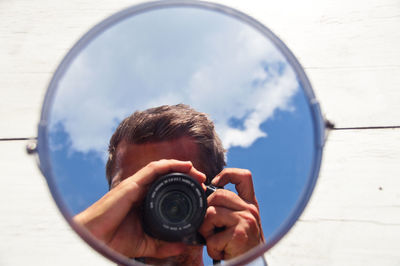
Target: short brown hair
[(169, 122)]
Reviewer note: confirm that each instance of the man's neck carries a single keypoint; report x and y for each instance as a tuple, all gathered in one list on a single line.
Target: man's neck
[(193, 256)]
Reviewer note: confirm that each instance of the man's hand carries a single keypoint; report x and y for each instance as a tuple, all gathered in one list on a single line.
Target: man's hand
[(115, 219), (238, 214)]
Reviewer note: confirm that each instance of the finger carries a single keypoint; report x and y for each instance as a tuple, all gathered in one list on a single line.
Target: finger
[(217, 217), (241, 178), (216, 244), (231, 242), (162, 167), (227, 199), (242, 232)]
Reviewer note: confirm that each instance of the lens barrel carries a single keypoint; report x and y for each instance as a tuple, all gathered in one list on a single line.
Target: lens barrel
[(174, 208)]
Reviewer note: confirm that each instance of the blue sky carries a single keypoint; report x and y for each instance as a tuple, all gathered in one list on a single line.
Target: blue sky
[(210, 61)]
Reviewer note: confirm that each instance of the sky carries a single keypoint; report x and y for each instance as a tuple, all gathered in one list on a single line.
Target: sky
[(214, 63)]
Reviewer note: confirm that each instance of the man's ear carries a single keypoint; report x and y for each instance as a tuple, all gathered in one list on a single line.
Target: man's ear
[(115, 180)]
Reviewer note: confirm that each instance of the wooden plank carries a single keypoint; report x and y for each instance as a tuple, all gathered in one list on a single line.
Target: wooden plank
[(350, 52), (34, 37), (32, 229), (353, 217), (352, 97)]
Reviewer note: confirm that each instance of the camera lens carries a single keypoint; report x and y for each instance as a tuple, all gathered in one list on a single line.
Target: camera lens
[(175, 207)]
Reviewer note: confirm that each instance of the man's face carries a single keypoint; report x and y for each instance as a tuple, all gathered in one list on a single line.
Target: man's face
[(133, 157)]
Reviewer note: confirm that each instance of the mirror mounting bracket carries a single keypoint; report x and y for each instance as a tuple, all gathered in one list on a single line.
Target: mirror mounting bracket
[(31, 147)]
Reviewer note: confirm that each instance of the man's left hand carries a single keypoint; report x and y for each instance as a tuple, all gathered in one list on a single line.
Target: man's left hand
[(238, 215)]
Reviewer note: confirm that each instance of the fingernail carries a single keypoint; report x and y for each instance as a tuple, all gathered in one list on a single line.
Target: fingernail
[(215, 180)]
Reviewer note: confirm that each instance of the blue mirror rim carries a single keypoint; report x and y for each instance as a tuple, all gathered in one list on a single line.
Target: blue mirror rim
[(43, 140)]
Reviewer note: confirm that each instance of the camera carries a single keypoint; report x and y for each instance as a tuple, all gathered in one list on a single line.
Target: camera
[(174, 208)]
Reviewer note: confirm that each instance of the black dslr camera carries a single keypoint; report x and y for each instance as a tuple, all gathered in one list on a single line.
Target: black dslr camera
[(174, 209)]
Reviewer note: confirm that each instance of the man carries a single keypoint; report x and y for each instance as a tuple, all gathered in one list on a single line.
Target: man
[(158, 141)]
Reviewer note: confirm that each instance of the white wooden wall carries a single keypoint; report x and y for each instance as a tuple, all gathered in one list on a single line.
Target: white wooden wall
[(351, 52)]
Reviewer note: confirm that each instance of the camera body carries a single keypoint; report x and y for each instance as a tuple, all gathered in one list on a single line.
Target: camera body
[(174, 208)]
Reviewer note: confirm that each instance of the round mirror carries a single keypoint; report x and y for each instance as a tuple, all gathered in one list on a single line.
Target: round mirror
[(214, 59)]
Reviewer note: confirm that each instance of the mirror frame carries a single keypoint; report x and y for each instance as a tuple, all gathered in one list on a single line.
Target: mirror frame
[(318, 121)]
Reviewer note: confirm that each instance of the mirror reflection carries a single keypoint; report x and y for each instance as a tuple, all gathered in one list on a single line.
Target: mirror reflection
[(222, 70)]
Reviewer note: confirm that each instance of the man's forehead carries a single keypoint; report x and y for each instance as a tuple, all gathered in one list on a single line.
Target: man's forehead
[(132, 157), (182, 146)]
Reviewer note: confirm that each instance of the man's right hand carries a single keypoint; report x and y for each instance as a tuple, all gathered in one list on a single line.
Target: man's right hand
[(115, 219)]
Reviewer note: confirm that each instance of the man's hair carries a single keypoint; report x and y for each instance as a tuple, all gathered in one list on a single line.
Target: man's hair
[(168, 123)]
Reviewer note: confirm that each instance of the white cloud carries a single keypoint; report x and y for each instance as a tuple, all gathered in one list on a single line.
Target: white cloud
[(225, 69), (237, 85)]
